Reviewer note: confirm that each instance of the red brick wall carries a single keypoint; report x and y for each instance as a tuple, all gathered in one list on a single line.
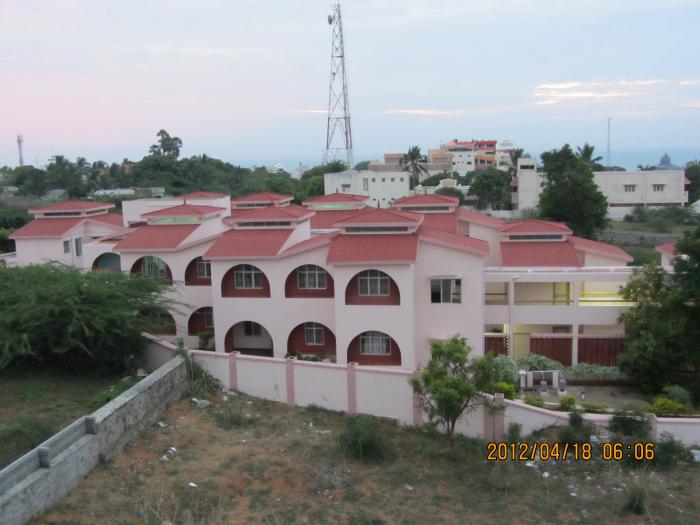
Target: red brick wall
[(191, 278), (600, 350), (291, 287), (352, 295), (558, 348), (354, 355), (496, 345), (295, 343), (228, 287)]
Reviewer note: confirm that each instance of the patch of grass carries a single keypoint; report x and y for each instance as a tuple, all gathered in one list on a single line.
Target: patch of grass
[(230, 416), (642, 254), (636, 497), (363, 439), (22, 434)]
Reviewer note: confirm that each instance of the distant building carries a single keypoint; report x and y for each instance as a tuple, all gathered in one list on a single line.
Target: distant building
[(381, 187)]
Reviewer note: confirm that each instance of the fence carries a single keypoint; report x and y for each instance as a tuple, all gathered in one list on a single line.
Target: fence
[(496, 344), (46, 474), (598, 350), (554, 346)]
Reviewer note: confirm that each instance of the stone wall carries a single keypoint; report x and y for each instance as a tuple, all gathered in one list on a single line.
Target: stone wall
[(636, 238), (48, 473)]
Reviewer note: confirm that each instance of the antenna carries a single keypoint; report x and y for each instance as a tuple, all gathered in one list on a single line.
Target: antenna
[(20, 141), (338, 130), (609, 119)]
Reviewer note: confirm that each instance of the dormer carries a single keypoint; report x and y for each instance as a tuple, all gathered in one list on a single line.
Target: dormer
[(535, 230), (289, 216), (73, 209), (337, 201), (433, 203), (184, 214), (380, 220), (261, 200)]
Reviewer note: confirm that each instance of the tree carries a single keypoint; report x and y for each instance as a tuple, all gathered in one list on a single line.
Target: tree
[(411, 162), (570, 194), (66, 175), (491, 188), (167, 146), (451, 192), (362, 165), (663, 333), (692, 172), (514, 155), (79, 321), (586, 153), (446, 386), (646, 167)]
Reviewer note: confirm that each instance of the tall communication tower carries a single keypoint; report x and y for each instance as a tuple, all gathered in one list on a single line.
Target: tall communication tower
[(20, 141), (338, 130)]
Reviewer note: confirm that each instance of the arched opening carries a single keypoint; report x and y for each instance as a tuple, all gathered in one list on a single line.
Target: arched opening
[(245, 280), (201, 320), (107, 262), (198, 273), (312, 339), (152, 267), (374, 348), (160, 321), (372, 287), (308, 280), (249, 338)]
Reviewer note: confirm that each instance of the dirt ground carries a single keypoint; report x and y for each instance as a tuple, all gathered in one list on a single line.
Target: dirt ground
[(269, 463)]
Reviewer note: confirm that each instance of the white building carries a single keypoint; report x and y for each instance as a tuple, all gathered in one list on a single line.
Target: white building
[(381, 187)]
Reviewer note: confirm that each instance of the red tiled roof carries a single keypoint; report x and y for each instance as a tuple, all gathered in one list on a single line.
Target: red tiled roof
[(426, 200), (524, 254), (600, 248), (310, 244), (325, 219), (262, 197), (184, 210), (271, 213), (454, 240), (156, 237), (204, 195), (74, 206), (668, 248), (446, 222), (336, 197), (381, 216), (50, 227), (115, 219), (248, 244), (358, 248), (535, 226), (479, 218)]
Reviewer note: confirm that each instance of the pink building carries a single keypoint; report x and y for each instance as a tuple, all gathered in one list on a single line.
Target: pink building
[(347, 282)]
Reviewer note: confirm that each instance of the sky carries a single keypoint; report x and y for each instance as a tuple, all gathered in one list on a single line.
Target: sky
[(247, 81)]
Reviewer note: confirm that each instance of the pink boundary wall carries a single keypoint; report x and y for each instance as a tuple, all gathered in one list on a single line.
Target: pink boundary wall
[(379, 391)]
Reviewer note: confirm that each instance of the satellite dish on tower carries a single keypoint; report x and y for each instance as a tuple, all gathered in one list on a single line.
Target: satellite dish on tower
[(330, 20)]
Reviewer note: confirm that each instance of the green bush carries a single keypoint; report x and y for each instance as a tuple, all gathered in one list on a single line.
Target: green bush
[(630, 421), (363, 439), (229, 417), (636, 496), (539, 362), (594, 408), (577, 431), (669, 452), (204, 339), (507, 389), (594, 371), (507, 370), (679, 395), (576, 420), (567, 403), (514, 433), (663, 406), (534, 401), (200, 382)]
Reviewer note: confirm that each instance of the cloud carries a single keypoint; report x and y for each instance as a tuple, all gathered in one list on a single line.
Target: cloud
[(689, 82), (424, 112), (309, 111), (692, 104)]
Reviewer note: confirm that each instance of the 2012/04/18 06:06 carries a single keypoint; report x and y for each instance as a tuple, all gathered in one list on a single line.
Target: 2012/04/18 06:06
[(613, 451)]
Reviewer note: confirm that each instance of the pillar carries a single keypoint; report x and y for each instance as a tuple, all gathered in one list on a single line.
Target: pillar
[(574, 344), (352, 388), (289, 369), (233, 370)]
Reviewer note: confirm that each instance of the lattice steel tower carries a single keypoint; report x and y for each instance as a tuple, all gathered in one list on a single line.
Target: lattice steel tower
[(338, 130)]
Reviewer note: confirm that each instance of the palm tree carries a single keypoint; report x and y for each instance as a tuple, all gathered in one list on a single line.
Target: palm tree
[(585, 153), (515, 154), (411, 162)]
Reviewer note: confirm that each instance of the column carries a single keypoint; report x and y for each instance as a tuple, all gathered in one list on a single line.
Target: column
[(511, 302), (574, 344)]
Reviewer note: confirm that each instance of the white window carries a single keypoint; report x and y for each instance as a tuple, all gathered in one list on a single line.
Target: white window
[(630, 188), (659, 187), (204, 269), (365, 184), (153, 267), (313, 334), (375, 343), (383, 179), (208, 316), (251, 328), (446, 290), (373, 282), (66, 246), (248, 276), (312, 277), (346, 187)]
